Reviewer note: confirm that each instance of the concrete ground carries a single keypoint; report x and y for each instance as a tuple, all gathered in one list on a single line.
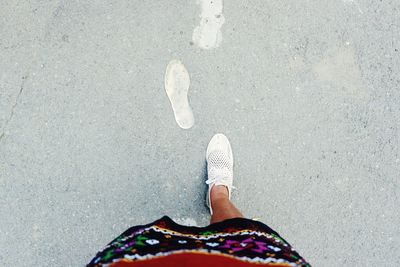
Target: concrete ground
[(307, 91)]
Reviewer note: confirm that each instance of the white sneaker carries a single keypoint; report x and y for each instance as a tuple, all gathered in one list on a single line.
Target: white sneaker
[(219, 165)]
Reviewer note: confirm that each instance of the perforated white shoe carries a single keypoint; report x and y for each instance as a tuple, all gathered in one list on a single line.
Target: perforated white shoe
[(219, 165)]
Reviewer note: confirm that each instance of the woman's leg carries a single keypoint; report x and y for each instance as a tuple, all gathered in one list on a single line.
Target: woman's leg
[(219, 158), (223, 208)]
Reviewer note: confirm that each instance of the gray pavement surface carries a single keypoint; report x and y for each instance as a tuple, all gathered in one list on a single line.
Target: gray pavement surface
[(307, 91)]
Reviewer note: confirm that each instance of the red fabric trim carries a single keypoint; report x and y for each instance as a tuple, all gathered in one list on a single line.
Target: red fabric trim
[(193, 260)]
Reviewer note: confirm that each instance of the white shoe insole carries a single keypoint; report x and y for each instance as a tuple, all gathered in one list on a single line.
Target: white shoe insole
[(177, 82)]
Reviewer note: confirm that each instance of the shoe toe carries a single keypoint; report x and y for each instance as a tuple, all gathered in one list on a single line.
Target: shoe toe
[(218, 142)]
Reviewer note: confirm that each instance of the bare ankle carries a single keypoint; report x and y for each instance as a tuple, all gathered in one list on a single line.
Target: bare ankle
[(218, 192)]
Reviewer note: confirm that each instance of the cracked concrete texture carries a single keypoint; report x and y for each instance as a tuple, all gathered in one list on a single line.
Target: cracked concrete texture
[(308, 93), (7, 120)]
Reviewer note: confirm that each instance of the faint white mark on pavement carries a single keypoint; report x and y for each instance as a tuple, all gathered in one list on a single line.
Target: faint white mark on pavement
[(186, 221), (36, 232), (297, 63), (339, 67), (177, 82), (208, 34), (355, 3)]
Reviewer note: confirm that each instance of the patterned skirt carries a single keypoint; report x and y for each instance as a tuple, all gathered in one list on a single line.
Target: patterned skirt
[(233, 242)]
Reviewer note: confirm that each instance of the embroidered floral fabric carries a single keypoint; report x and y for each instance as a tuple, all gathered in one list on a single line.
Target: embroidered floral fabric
[(241, 239)]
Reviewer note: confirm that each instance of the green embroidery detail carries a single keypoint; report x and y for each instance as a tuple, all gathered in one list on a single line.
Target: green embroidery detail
[(109, 254), (208, 233), (139, 240)]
